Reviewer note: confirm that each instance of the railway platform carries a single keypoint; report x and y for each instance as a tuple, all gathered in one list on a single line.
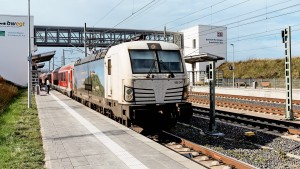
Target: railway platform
[(278, 93), (75, 136)]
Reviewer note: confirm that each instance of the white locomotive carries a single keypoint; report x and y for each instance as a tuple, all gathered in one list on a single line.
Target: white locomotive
[(139, 82)]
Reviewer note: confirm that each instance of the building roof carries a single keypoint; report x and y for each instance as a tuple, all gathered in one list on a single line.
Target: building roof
[(203, 57)]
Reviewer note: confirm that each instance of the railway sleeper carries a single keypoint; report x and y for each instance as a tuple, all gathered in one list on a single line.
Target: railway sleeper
[(249, 107), (252, 108), (297, 102), (196, 156)]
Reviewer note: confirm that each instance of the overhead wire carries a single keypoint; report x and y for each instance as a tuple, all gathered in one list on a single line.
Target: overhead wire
[(272, 30), (247, 13), (192, 13), (256, 16), (267, 47), (246, 19), (209, 45), (108, 12), (127, 18), (292, 6), (155, 4), (267, 17), (266, 14), (133, 13), (211, 14), (228, 42)]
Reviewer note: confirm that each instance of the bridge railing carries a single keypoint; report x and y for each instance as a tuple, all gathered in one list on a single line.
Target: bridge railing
[(97, 37)]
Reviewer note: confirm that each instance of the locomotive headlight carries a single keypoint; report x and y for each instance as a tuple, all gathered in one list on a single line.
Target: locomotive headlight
[(128, 94), (129, 97), (129, 91)]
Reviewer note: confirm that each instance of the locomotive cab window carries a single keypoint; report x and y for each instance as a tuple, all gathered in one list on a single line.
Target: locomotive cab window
[(142, 61), (170, 61), (161, 61)]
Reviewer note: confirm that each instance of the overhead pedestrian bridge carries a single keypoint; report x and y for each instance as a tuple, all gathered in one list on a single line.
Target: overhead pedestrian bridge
[(58, 36)]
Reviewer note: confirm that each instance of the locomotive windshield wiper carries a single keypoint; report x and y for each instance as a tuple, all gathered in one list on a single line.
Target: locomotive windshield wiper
[(166, 67), (151, 69)]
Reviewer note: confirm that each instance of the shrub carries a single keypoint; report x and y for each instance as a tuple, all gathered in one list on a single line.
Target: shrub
[(7, 92)]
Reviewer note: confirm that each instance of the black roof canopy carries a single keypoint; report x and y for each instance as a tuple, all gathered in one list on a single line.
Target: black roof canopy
[(43, 57), (203, 57)]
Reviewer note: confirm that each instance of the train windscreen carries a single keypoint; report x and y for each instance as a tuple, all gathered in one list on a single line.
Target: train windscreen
[(162, 61)]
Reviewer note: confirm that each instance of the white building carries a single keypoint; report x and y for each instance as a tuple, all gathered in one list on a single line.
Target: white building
[(204, 39), (14, 48)]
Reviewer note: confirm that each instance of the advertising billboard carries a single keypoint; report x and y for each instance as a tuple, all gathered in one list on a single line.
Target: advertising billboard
[(14, 48)]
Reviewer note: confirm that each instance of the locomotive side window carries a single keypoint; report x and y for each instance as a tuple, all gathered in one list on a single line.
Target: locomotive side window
[(143, 61), (109, 67)]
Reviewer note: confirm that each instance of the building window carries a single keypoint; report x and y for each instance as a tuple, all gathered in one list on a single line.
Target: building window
[(194, 43)]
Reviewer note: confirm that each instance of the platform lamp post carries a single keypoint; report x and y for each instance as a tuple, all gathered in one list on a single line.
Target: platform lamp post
[(29, 59), (232, 65)]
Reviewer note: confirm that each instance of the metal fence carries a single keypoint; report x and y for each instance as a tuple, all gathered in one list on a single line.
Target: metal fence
[(273, 83), (200, 79)]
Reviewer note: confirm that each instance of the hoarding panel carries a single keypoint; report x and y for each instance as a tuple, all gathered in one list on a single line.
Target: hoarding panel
[(90, 75), (14, 48)]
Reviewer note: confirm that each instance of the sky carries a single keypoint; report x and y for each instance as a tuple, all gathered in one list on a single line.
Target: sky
[(253, 26)]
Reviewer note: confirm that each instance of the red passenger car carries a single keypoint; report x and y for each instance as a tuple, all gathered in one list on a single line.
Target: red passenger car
[(54, 78), (64, 79)]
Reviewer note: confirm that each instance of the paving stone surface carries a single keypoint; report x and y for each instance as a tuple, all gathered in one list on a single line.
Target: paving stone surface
[(83, 144)]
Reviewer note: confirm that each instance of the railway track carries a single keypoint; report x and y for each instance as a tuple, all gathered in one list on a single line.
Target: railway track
[(252, 98), (248, 103), (267, 149), (254, 121), (202, 155), (262, 150)]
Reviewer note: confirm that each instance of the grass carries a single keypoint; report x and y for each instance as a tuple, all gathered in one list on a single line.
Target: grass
[(20, 137), (261, 68)]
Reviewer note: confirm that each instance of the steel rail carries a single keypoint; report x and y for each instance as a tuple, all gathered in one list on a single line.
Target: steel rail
[(244, 106), (264, 123), (212, 153)]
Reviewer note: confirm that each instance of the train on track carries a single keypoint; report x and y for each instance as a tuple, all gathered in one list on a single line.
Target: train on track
[(139, 82)]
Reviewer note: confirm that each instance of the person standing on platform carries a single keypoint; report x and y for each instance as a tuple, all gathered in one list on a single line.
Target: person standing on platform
[(43, 83), (48, 86)]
